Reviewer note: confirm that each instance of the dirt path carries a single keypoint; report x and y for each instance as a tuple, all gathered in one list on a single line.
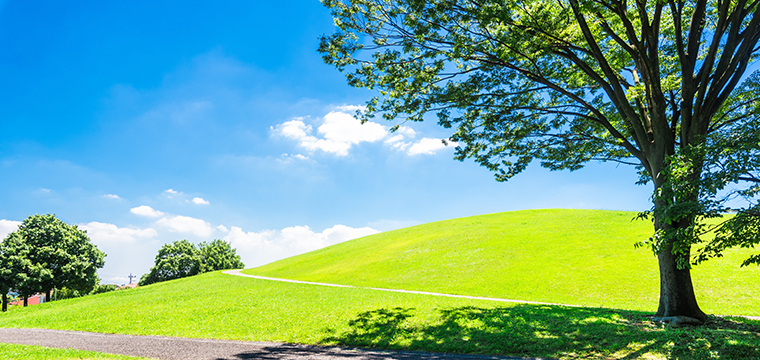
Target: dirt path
[(171, 348)]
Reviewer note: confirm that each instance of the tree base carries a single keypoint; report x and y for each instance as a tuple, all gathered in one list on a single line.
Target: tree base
[(678, 321)]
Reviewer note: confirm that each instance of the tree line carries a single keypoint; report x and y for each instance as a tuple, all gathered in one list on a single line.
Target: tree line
[(182, 259), (45, 253)]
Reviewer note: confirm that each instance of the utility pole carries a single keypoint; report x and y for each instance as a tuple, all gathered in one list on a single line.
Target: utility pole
[(131, 276)]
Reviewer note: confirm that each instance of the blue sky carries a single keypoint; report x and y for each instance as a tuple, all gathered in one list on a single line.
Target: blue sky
[(149, 122)]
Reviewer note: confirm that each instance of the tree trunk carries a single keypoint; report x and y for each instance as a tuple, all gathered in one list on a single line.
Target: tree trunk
[(47, 296), (26, 301), (5, 302), (677, 300), (678, 304)]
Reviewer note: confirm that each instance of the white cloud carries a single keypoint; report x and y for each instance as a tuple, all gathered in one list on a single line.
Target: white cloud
[(171, 192), (397, 139), (258, 248), (343, 127), (352, 108), (112, 196), (186, 224), (286, 158), (200, 201), (339, 132), (428, 146), (102, 233), (145, 210), (7, 227)]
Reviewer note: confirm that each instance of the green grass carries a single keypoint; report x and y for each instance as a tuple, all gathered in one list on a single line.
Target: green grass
[(227, 307), (565, 256), (579, 257), (29, 352)]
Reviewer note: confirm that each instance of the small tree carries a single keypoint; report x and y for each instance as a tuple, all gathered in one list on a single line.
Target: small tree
[(173, 261), (218, 255), (182, 259)]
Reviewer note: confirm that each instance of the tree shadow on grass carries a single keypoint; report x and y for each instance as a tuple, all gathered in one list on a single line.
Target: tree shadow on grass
[(549, 331)]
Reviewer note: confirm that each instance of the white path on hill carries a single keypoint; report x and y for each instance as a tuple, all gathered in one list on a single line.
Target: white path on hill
[(239, 273)]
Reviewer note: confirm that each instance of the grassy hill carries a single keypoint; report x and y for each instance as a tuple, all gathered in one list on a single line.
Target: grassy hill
[(580, 257), (220, 306), (566, 256)]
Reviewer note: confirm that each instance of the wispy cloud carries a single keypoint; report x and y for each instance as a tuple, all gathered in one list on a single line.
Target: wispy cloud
[(258, 248), (112, 196), (186, 225), (200, 201), (102, 233), (147, 211), (426, 146), (339, 131)]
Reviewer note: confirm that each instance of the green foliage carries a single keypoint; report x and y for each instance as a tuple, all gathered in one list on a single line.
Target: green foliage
[(307, 314), (182, 259), (65, 253), (218, 255), (46, 253), (16, 271), (104, 288), (651, 84), (66, 293), (173, 261), (579, 257)]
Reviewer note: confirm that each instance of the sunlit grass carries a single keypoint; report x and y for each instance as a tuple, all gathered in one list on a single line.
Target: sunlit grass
[(29, 352), (579, 257), (227, 307)]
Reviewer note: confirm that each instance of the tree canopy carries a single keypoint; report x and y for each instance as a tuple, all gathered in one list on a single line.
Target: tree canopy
[(45, 253), (659, 85), (182, 259), (218, 255)]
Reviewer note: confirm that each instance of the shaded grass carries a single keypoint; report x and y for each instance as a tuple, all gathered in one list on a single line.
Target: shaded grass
[(220, 306), (580, 257), (29, 352)]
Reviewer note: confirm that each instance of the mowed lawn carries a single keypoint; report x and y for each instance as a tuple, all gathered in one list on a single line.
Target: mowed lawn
[(578, 257), (562, 256), (215, 305), (27, 352)]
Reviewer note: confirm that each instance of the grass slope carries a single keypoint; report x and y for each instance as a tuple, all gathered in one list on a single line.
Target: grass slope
[(580, 257), (221, 306)]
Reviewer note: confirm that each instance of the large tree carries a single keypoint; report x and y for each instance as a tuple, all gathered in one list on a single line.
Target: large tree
[(17, 272), (63, 251), (654, 84), (14, 267)]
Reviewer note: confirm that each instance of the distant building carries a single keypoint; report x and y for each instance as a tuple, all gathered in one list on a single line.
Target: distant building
[(32, 300)]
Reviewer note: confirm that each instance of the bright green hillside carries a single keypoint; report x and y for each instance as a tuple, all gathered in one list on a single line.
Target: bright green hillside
[(580, 257), (220, 306)]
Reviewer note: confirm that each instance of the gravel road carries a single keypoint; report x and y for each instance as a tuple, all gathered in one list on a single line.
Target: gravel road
[(171, 348)]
